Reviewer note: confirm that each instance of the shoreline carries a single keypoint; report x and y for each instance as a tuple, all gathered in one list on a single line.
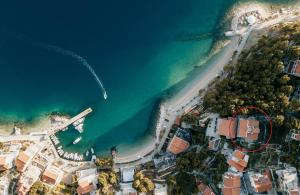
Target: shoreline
[(176, 105)]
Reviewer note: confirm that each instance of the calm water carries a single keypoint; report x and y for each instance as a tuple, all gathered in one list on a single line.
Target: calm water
[(132, 45)]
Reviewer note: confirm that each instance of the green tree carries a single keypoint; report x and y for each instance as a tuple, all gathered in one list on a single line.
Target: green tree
[(279, 119)]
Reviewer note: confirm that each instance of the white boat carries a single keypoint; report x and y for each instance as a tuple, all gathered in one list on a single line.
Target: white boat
[(78, 122), (77, 140), (87, 153), (92, 150), (79, 128), (105, 95)]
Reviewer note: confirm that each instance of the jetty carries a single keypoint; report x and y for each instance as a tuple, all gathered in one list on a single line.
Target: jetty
[(55, 129)]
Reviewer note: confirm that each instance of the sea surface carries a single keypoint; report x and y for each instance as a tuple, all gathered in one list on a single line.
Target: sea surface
[(138, 49)]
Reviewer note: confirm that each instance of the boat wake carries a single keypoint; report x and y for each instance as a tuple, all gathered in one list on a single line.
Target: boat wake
[(80, 59), (65, 52)]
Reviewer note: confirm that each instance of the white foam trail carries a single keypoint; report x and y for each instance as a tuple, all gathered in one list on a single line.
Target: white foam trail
[(80, 59)]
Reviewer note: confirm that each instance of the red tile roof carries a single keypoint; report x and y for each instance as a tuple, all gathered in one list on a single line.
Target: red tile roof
[(85, 187), (227, 127), (21, 161), (294, 192), (178, 145), (248, 129), (297, 69), (3, 165), (204, 189), (239, 160), (261, 183), (232, 184), (49, 177)]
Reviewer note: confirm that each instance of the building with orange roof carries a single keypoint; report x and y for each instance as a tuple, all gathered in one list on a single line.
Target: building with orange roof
[(260, 182), (180, 142), (52, 175), (238, 161), (231, 183), (204, 189), (293, 68), (227, 127), (87, 181), (6, 161), (24, 158), (248, 129)]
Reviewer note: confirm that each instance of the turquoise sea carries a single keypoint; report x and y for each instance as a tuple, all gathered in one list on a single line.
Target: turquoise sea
[(135, 47)]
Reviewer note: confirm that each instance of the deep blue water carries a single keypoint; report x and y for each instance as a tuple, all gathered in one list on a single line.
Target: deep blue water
[(132, 45)]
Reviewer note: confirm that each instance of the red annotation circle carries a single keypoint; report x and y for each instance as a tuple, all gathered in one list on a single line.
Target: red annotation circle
[(262, 146)]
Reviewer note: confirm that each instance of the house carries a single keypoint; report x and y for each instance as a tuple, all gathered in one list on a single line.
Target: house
[(4, 183), (260, 182), (87, 181), (248, 129), (204, 189), (231, 183), (7, 159), (52, 175), (227, 127), (161, 189), (214, 143), (127, 189), (288, 180), (24, 158), (238, 161), (211, 130), (295, 134), (180, 142), (127, 174), (27, 179), (295, 191), (293, 68)]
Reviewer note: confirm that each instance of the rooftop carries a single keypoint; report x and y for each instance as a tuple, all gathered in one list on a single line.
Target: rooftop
[(227, 127), (180, 142), (238, 161), (248, 129), (260, 182), (232, 183)]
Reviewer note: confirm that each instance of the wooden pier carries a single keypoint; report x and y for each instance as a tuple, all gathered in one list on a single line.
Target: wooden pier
[(70, 121)]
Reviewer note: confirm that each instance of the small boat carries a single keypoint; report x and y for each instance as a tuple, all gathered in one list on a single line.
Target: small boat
[(92, 150), (77, 140), (79, 128), (78, 122), (105, 95), (87, 153)]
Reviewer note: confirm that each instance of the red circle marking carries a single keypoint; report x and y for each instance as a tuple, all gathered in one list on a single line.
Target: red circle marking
[(234, 116)]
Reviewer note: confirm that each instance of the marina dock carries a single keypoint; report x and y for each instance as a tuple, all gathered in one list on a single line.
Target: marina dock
[(54, 130)]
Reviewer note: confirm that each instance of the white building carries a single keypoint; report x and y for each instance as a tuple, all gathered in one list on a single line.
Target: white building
[(7, 159), (28, 178), (4, 184), (25, 158), (127, 174), (287, 179)]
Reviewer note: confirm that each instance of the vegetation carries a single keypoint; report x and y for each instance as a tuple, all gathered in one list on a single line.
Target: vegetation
[(258, 79), (38, 188), (142, 183), (190, 118), (1, 146), (191, 164), (291, 152), (108, 181), (104, 163)]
